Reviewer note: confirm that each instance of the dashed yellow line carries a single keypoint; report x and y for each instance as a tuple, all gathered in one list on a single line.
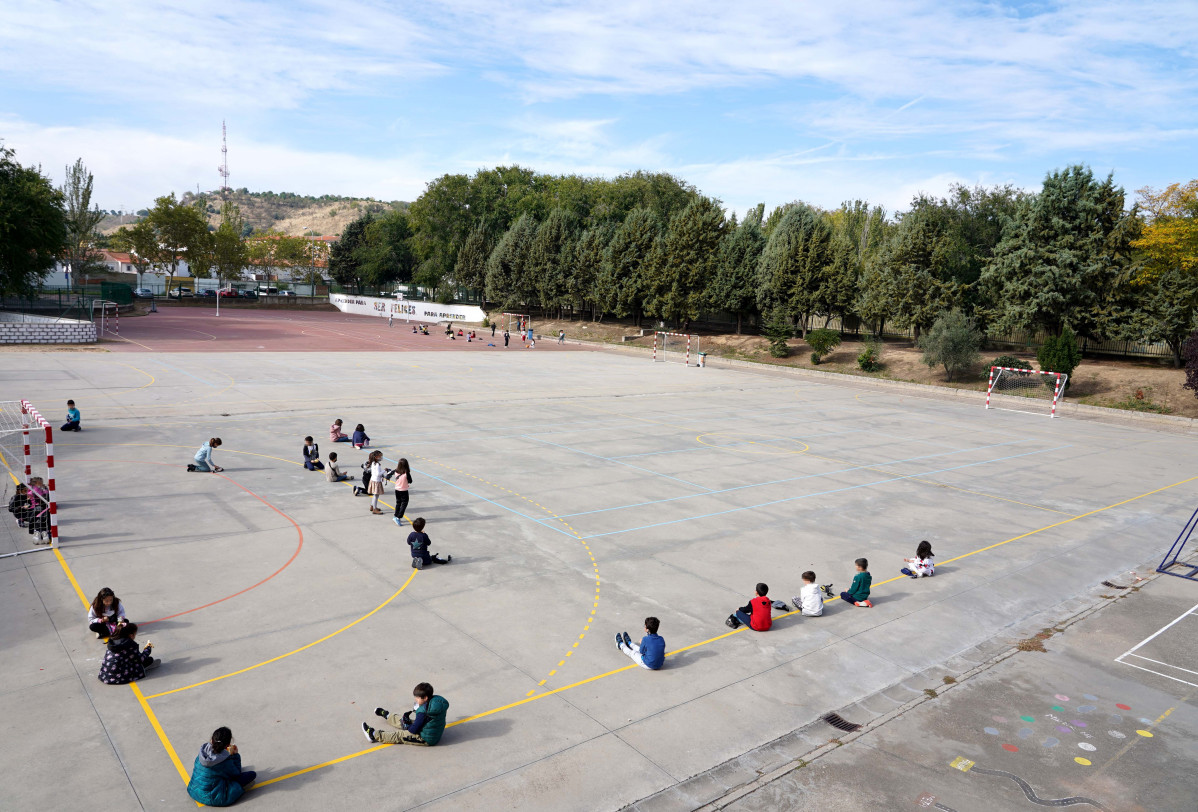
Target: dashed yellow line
[(590, 554)]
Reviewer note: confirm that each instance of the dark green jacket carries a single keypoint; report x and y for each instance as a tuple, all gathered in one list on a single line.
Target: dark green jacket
[(434, 725), (859, 590)]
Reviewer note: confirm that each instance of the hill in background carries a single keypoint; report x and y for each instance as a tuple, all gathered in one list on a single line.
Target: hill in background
[(283, 211)]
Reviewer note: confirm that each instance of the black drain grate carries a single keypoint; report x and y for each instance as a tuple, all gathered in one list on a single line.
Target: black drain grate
[(1113, 586), (840, 723)]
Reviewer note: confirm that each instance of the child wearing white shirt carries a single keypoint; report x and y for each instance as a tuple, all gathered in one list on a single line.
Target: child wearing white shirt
[(810, 600), (922, 564)]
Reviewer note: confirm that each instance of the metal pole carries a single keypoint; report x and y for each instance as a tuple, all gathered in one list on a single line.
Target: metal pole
[(50, 485)]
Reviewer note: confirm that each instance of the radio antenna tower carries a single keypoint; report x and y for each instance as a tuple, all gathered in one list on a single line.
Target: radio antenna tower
[(223, 169)]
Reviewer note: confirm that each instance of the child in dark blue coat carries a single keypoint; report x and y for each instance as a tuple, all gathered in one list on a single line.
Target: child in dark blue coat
[(216, 777), (419, 541), (311, 452)]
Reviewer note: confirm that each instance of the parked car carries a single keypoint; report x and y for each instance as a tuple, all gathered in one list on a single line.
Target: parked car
[(287, 293), (208, 294), (228, 293), (248, 294), (143, 293), (178, 293)]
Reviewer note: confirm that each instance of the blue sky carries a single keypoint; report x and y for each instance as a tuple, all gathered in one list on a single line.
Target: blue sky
[(764, 101)]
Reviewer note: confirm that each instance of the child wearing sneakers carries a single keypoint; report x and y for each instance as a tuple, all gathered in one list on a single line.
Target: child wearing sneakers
[(650, 652), (858, 592), (922, 564), (422, 725), (18, 506), (419, 541), (756, 614), (334, 472), (73, 418), (311, 452)]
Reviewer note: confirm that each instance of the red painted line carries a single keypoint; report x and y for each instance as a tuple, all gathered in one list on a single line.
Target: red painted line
[(299, 546)]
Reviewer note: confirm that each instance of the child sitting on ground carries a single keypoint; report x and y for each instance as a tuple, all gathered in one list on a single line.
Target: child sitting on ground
[(73, 418), (37, 520), (422, 725), (756, 614), (419, 541), (216, 776), (858, 593), (922, 564), (650, 652), (311, 452), (333, 474), (18, 506), (360, 439), (105, 614), (336, 435), (125, 661), (810, 600)]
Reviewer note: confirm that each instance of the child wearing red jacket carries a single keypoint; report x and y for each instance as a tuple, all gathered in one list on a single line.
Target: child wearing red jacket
[(756, 614)]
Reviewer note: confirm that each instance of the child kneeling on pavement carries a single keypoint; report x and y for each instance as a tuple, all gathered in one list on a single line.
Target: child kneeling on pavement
[(422, 725)]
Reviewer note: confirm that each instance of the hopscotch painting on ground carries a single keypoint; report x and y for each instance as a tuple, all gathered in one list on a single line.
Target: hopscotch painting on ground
[(1042, 388)]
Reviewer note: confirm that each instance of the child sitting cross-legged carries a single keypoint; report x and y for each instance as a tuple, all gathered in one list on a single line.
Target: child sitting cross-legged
[(922, 564), (858, 592), (419, 541), (756, 614)]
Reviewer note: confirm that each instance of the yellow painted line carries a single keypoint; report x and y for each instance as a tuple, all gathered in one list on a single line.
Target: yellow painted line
[(166, 742), (141, 699), (296, 651), (1134, 740), (134, 389), (533, 698), (130, 341), (322, 765)]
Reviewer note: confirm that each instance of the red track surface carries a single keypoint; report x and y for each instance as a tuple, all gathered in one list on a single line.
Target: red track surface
[(196, 330)]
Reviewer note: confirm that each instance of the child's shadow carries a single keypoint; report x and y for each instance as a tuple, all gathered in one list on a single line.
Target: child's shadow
[(684, 658), (480, 729), (182, 665)]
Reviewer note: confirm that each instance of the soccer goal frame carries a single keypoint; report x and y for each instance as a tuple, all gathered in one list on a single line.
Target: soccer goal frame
[(1057, 380), (1189, 569), (523, 322), (663, 338), (22, 424), (108, 324)]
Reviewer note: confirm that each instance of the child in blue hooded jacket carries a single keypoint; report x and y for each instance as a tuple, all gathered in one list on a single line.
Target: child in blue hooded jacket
[(216, 777)]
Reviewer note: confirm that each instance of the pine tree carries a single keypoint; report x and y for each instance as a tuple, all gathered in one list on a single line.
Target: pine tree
[(623, 279), (510, 283), (916, 262), (794, 264), (735, 285), (470, 269), (686, 261), (549, 258)]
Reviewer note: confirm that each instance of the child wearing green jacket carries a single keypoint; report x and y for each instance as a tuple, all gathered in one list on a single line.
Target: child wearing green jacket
[(422, 725), (216, 776), (858, 592)]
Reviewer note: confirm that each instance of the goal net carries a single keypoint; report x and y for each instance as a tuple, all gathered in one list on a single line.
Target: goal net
[(675, 347), (519, 323), (1040, 391), (27, 458)]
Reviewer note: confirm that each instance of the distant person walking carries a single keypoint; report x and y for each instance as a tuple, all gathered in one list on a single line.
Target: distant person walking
[(506, 337), (561, 336), (492, 329)]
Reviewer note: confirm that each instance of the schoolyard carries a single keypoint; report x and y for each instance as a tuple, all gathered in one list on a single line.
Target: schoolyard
[(578, 491)]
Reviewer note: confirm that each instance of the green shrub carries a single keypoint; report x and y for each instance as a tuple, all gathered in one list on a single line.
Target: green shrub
[(822, 341), (486, 322), (1010, 361), (1059, 354), (870, 357), (778, 330), (953, 343)]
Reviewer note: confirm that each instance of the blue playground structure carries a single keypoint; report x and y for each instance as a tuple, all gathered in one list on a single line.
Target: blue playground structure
[(1171, 561)]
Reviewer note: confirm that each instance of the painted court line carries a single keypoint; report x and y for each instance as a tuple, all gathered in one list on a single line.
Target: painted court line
[(1131, 652), (618, 462)]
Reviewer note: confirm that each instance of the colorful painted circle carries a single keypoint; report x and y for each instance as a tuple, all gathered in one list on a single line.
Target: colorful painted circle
[(1116, 734), (1144, 733), (1085, 762), (1086, 708), (993, 731), (1028, 718), (1051, 742), (1144, 721), (1077, 723), (1025, 732), (1063, 729), (1121, 706), (1061, 698), (1089, 748), (1090, 697), (1010, 748), (1057, 708), (1000, 719)]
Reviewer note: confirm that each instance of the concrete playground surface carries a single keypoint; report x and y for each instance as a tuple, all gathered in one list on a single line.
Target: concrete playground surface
[(578, 492)]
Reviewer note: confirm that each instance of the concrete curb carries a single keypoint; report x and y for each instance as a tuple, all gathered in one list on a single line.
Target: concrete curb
[(1080, 411)]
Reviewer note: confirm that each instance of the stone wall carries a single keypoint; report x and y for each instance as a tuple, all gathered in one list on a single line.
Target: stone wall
[(19, 328)]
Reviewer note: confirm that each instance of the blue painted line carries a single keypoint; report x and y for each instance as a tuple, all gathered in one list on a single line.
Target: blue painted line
[(819, 493), (794, 479), (617, 462), (185, 372)]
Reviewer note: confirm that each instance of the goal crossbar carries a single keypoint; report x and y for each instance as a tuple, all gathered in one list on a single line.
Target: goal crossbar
[(1000, 377), (522, 322), (21, 420), (662, 338)]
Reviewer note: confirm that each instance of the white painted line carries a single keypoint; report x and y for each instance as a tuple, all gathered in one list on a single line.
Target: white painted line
[(1156, 634), (1159, 674), (1166, 665)]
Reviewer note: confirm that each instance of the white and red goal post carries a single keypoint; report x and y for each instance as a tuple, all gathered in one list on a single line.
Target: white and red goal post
[(1030, 384), (26, 450), (519, 323), (684, 343)]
